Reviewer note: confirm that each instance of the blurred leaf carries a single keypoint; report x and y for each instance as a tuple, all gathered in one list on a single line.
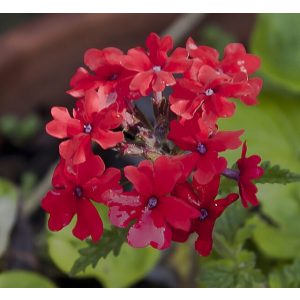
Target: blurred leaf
[(277, 41), (123, 270), (272, 129), (226, 273), (8, 212), (215, 36), (28, 181), (111, 241), (286, 277), (24, 279), (233, 218), (227, 186), (275, 174), (19, 131), (182, 259)]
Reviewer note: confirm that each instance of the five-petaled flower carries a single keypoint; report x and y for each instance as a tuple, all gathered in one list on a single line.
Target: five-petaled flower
[(208, 83), (205, 143), (151, 204), (203, 197), (93, 120), (105, 72), (154, 69), (73, 189)]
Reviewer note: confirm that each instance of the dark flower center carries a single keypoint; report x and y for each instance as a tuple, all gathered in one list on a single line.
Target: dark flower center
[(87, 128), (201, 148), (209, 92), (204, 214), (113, 77), (152, 202), (78, 192)]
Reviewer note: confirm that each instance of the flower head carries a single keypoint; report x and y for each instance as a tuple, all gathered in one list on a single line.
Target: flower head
[(73, 189)]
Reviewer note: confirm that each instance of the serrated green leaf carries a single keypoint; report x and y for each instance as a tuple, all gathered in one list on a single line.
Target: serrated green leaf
[(123, 270), (111, 241), (286, 277), (24, 279), (227, 273), (275, 174)]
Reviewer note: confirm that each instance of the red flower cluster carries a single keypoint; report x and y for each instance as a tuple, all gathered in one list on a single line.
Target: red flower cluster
[(173, 191)]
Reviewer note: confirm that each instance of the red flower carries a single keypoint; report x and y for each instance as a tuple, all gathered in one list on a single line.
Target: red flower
[(151, 204), (207, 93), (236, 59), (207, 90), (92, 120), (107, 72), (209, 82), (203, 197), (205, 144), (73, 189), (248, 171), (154, 69)]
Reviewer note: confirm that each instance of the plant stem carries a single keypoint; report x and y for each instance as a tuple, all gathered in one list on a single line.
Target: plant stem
[(231, 174)]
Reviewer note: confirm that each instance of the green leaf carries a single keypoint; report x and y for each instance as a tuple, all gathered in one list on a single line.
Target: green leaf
[(8, 211), (111, 241), (227, 186), (275, 174), (19, 130), (24, 279), (276, 41), (227, 273), (233, 218), (271, 131), (123, 270), (286, 277), (215, 36)]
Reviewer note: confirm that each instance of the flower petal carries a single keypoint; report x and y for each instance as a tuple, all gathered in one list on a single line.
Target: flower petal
[(107, 138), (61, 206), (140, 180), (144, 233), (63, 125), (88, 222), (167, 172), (177, 212)]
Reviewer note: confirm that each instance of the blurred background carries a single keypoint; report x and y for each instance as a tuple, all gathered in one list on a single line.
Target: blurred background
[(253, 248)]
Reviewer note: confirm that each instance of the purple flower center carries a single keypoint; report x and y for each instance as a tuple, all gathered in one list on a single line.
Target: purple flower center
[(78, 192), (209, 92), (87, 128), (201, 148), (204, 214), (113, 77), (152, 202)]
